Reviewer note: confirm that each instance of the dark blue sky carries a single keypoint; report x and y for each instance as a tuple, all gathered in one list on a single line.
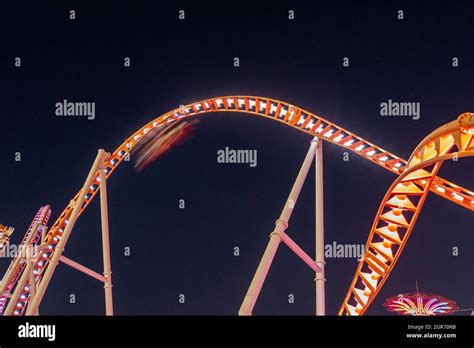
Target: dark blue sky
[(176, 62)]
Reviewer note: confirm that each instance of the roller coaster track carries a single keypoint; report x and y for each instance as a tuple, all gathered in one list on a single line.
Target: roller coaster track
[(17, 266), (401, 207), (283, 112)]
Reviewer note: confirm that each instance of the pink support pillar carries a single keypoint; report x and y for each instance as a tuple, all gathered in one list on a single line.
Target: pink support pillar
[(300, 252), (81, 268)]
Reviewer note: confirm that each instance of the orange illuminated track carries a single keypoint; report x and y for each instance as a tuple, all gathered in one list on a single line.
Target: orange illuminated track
[(401, 206), (269, 108)]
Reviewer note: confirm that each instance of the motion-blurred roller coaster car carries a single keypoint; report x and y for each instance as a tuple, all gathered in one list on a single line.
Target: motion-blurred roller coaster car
[(160, 141)]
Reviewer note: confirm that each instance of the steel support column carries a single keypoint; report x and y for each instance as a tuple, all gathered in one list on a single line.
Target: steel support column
[(276, 236)]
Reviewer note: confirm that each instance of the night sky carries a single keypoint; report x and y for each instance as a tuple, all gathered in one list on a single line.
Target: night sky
[(191, 251)]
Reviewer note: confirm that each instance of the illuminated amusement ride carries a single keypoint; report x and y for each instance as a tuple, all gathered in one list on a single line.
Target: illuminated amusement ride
[(27, 278), (420, 304)]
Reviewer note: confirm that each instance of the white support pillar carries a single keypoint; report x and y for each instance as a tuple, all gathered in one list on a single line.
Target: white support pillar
[(109, 308), (53, 262), (277, 235), (320, 280)]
